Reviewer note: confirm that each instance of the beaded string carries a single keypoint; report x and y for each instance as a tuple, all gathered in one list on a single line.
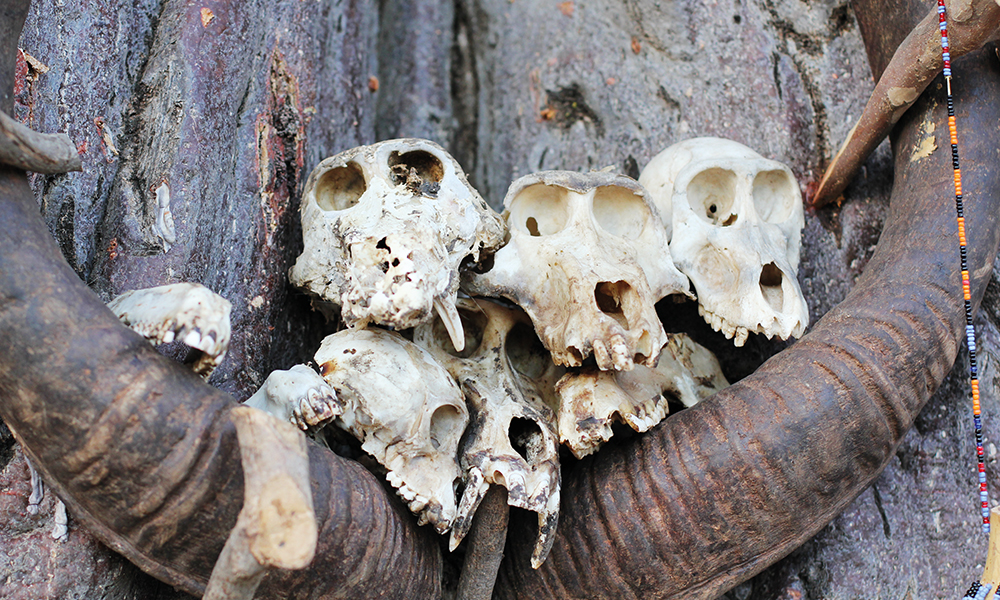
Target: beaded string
[(970, 334), (978, 591)]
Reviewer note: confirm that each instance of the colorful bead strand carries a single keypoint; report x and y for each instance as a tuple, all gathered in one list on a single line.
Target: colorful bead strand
[(970, 334)]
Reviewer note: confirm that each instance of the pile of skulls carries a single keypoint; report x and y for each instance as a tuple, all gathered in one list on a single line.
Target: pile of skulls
[(477, 343)]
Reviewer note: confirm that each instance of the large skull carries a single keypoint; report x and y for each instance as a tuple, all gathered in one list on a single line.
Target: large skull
[(386, 227), (507, 377), (736, 218), (407, 411), (587, 260), (590, 399)]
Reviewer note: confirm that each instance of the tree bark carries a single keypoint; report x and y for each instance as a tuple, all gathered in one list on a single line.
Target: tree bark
[(231, 104)]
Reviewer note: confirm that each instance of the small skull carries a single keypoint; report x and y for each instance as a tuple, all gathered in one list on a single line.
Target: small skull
[(386, 228), (590, 399), (507, 377), (736, 218), (407, 411), (587, 260)]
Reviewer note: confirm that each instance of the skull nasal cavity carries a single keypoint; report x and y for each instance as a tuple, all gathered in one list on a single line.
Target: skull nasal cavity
[(340, 187), (525, 436), (446, 423), (610, 297), (770, 285)]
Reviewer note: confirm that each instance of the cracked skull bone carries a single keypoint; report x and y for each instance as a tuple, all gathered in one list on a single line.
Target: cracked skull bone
[(385, 229), (507, 378), (736, 220), (407, 411), (587, 260)]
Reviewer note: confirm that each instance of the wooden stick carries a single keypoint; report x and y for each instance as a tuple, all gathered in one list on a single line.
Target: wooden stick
[(486, 543), (277, 526), (915, 64), (39, 152)]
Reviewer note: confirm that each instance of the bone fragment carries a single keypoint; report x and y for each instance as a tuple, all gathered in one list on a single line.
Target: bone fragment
[(277, 526), (39, 152), (991, 574), (299, 396), (37, 490), (486, 543), (186, 312), (60, 529)]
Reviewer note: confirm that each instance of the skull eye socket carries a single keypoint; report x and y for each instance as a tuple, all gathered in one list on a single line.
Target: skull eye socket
[(340, 188), (774, 193), (420, 171), (445, 422), (525, 351), (539, 210), (711, 194), (473, 325), (619, 211)]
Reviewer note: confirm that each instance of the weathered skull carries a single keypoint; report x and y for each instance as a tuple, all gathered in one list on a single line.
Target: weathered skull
[(590, 399), (386, 227), (506, 376), (736, 218), (587, 260), (407, 411)]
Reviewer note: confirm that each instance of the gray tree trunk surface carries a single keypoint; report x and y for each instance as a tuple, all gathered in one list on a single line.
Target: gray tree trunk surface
[(230, 104)]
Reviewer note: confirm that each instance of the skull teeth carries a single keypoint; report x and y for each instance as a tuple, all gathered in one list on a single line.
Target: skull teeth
[(448, 313), (419, 505), (733, 332)]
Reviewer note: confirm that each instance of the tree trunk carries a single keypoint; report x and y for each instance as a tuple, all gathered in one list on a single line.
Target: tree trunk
[(230, 104)]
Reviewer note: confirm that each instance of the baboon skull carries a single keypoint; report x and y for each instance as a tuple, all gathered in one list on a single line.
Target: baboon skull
[(587, 260), (736, 220), (507, 377), (590, 399), (407, 411), (386, 228)]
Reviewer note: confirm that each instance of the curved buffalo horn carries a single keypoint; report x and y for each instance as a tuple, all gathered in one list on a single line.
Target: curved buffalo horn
[(146, 455), (141, 450), (722, 490)]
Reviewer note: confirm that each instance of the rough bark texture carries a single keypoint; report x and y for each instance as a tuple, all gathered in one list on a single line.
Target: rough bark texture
[(232, 107)]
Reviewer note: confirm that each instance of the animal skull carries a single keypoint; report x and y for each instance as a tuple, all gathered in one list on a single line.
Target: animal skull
[(507, 377), (587, 260), (386, 228), (407, 411), (590, 399), (736, 219)]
